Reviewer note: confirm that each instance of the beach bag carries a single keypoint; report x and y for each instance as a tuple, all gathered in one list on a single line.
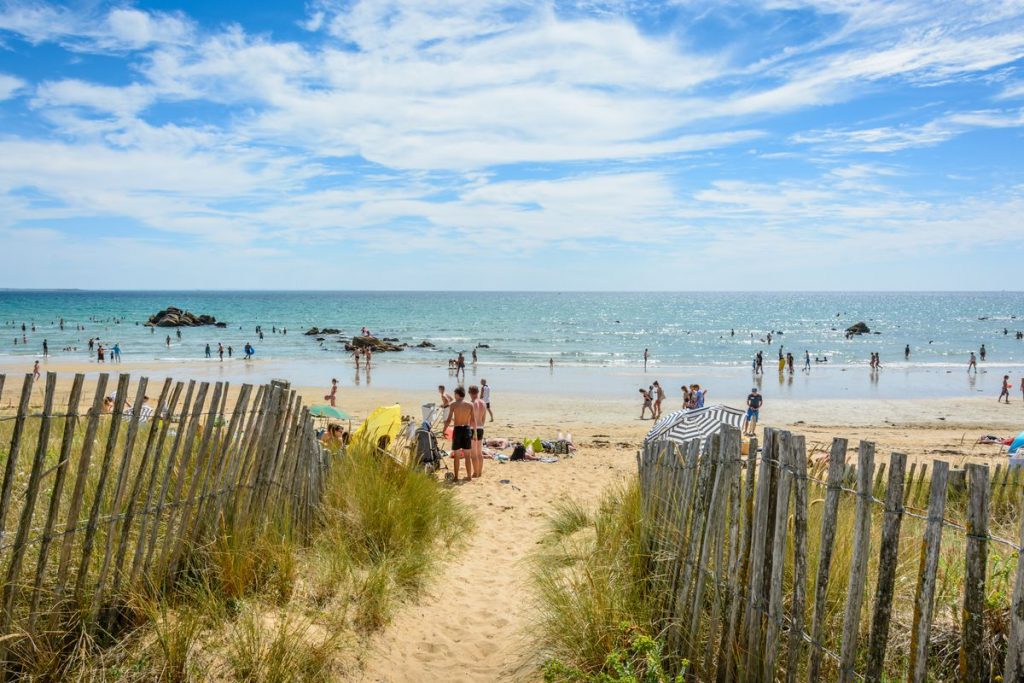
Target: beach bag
[(519, 452)]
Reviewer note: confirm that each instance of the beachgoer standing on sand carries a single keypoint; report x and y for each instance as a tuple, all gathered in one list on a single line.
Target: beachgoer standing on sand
[(699, 395), (782, 362), (35, 370), (1005, 393), (659, 396), (460, 366), (474, 355), (220, 351), (789, 362), (646, 356), (369, 357), (1022, 387), (754, 401), (334, 392), (116, 352), (906, 353), (446, 398), (647, 404), (480, 414), (100, 354), (357, 354), (463, 418), (686, 397), (46, 349), (485, 395), (972, 364)]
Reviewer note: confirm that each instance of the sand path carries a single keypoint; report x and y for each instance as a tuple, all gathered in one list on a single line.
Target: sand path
[(473, 623)]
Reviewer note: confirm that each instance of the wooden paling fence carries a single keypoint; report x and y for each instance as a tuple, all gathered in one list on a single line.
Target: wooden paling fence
[(764, 571), (97, 504)]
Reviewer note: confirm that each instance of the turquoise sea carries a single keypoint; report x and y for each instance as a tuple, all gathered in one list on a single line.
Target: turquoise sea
[(588, 335)]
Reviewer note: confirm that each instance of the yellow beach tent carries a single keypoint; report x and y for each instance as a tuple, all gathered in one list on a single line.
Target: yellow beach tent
[(384, 421)]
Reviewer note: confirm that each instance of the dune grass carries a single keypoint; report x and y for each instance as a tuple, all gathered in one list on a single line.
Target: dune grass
[(596, 618)]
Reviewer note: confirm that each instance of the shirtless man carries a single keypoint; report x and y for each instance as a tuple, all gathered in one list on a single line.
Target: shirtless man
[(463, 416), (446, 398), (480, 415)]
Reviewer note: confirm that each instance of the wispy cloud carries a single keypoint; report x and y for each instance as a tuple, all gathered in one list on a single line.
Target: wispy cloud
[(579, 126)]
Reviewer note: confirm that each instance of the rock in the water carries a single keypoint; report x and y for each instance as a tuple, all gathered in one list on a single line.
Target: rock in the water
[(372, 343), (220, 325), (312, 332), (175, 317), (425, 345), (330, 330), (858, 328)]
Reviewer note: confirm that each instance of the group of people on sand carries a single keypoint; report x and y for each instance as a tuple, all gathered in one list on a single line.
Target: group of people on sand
[(653, 396), (467, 419)]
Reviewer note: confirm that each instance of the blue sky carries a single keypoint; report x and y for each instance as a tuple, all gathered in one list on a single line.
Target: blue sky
[(506, 144)]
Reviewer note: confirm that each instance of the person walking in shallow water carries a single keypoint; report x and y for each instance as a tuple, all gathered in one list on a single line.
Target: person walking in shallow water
[(972, 364), (646, 356), (1005, 393), (982, 352)]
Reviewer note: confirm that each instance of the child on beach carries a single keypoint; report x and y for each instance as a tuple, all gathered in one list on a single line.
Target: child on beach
[(334, 392), (647, 405), (754, 401), (659, 396)]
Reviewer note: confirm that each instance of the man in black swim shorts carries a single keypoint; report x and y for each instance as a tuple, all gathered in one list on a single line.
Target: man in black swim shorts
[(463, 416), (480, 415)]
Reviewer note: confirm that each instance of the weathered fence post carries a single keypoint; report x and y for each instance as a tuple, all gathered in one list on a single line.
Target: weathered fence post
[(756, 603), (974, 664), (799, 459), (924, 600), (1014, 667), (728, 655), (887, 561), (781, 521), (859, 561), (830, 512)]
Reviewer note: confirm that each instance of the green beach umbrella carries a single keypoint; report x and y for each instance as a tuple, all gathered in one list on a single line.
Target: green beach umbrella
[(328, 411)]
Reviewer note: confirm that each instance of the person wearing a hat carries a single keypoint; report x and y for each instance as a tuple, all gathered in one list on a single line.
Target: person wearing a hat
[(754, 401)]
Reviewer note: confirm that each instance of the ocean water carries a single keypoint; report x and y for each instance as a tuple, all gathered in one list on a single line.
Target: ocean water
[(596, 340), (589, 330)]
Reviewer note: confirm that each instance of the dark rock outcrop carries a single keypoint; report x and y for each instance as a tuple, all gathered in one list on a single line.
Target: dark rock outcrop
[(425, 345), (372, 343), (175, 317), (858, 328)]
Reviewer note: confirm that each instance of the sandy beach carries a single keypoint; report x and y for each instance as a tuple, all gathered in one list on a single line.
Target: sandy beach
[(474, 621)]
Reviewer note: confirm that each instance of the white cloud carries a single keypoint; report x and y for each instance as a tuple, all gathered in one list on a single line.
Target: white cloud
[(9, 86), (120, 29), (889, 139)]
